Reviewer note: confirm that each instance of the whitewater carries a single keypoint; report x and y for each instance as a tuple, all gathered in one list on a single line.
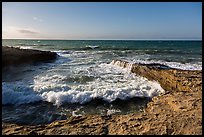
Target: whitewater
[(83, 73)]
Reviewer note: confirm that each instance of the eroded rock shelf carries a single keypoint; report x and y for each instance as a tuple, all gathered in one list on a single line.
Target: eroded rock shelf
[(15, 56)]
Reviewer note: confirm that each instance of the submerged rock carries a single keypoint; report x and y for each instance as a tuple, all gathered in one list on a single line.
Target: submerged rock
[(16, 56)]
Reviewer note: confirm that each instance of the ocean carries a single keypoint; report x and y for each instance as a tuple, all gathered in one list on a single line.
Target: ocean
[(82, 80)]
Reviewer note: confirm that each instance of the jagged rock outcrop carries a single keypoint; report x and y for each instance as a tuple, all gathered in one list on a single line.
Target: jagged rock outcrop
[(17, 56), (177, 112)]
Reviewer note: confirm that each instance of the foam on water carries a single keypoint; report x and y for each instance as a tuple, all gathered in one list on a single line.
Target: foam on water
[(18, 93), (112, 111), (107, 90), (75, 111), (133, 57), (81, 76), (176, 65), (112, 83), (143, 58), (25, 47)]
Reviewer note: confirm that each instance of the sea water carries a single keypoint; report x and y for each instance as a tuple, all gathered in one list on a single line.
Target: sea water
[(82, 80)]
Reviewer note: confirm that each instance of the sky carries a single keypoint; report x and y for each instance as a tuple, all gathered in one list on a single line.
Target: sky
[(101, 20)]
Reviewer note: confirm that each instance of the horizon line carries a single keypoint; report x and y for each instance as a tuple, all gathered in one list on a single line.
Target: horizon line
[(89, 39)]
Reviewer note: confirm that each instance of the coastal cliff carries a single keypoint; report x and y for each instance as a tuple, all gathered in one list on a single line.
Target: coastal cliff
[(177, 111)]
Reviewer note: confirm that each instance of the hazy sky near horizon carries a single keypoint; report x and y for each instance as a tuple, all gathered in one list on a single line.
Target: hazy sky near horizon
[(102, 20)]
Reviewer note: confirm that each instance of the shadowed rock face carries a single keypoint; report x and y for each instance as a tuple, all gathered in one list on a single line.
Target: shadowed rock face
[(177, 112), (16, 56)]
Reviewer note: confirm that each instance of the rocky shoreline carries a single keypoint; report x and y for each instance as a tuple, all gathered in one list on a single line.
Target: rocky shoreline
[(15, 56), (176, 112)]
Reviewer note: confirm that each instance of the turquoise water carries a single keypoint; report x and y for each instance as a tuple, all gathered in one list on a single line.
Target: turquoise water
[(82, 79)]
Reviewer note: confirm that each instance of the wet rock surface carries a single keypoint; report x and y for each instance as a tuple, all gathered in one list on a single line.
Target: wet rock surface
[(176, 112), (16, 56)]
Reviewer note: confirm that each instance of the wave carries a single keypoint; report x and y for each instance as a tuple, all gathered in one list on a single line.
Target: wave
[(130, 56), (176, 65), (18, 93), (114, 83), (92, 47), (82, 76)]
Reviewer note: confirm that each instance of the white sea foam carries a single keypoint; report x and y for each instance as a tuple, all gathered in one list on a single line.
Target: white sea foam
[(112, 111), (93, 46), (18, 93), (114, 82), (177, 65), (61, 82), (74, 113), (25, 47), (111, 82)]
